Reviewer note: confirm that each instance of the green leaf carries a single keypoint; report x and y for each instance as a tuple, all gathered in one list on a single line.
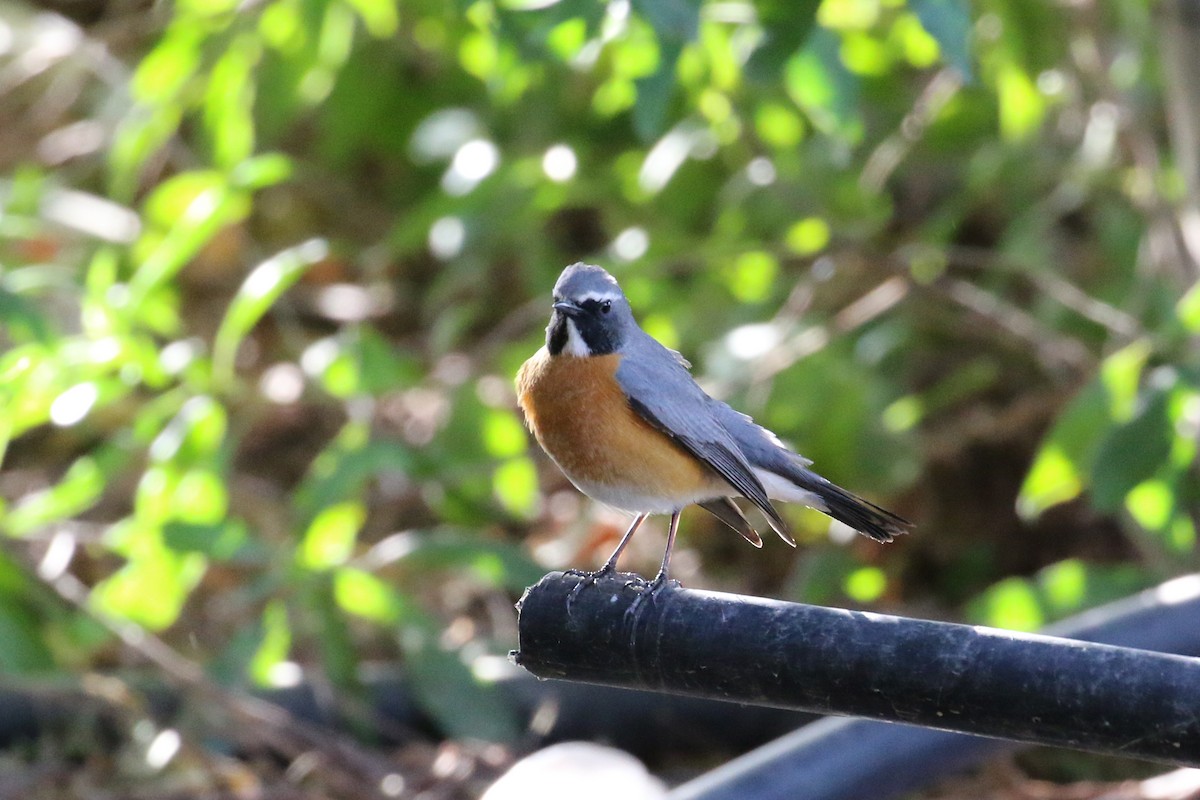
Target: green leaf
[(22, 320), (379, 16), (1121, 374), (1022, 107), (200, 497), (865, 584), (1012, 604), (343, 468), (1133, 451), (503, 434), (818, 81), (752, 276), (24, 649), (194, 207), (165, 70), (1054, 478), (226, 541), (504, 565), (275, 645), (78, 490), (1188, 309), (329, 540), (1065, 458), (786, 25), (949, 22), (229, 102), (1151, 504), (152, 588), (194, 435), (257, 294), (516, 486), (360, 593), (259, 172), (654, 93)]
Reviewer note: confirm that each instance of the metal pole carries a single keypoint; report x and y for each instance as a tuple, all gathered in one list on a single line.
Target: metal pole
[(1031, 688)]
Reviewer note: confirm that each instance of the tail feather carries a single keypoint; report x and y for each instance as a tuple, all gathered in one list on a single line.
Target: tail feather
[(728, 512), (861, 515)]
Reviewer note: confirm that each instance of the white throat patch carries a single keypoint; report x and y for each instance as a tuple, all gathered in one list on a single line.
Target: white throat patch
[(575, 346)]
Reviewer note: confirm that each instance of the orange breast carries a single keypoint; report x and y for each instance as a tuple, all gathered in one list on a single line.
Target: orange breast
[(581, 418)]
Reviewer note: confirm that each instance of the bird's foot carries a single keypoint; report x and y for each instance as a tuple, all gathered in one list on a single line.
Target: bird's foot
[(589, 578), (648, 590)]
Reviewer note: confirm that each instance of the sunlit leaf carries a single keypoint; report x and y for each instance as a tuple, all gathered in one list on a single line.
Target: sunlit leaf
[(1121, 374), (229, 100), (820, 84), (778, 125), (379, 16), (807, 236), (516, 487), (1151, 503), (206, 204), (329, 540), (154, 493), (503, 564), (1065, 584), (1022, 107), (1188, 309), (365, 595), (262, 287), (1052, 479), (865, 584), (78, 489), (503, 434), (752, 276), (1132, 451), (261, 171), (1067, 452), (193, 435), (200, 497), (275, 645), (166, 68), (1011, 604), (151, 589)]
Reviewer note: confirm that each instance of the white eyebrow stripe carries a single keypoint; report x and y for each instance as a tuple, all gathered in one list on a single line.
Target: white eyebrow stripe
[(599, 297)]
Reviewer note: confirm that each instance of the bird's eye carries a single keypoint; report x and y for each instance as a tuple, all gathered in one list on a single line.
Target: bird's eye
[(606, 306)]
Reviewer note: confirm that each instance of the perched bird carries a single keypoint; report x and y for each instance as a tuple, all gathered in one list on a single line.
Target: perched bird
[(622, 417)]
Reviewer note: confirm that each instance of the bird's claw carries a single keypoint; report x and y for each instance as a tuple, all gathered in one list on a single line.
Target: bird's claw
[(648, 589), (589, 578)]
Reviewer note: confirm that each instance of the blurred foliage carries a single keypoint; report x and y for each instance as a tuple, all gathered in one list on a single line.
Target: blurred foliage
[(266, 271)]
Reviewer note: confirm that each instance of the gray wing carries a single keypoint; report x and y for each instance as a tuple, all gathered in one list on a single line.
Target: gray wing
[(661, 390)]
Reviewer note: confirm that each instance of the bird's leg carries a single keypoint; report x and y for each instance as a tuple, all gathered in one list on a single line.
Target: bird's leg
[(609, 566), (660, 580), (672, 529)]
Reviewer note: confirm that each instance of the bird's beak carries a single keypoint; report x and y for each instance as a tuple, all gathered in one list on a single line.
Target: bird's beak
[(567, 307)]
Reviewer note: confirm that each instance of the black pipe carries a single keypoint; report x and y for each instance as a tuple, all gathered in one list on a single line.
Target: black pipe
[(839, 758), (1031, 688)]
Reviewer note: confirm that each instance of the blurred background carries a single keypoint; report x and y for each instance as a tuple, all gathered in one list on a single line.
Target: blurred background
[(267, 269)]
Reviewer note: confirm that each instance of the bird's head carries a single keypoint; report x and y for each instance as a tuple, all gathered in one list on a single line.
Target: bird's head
[(591, 316)]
